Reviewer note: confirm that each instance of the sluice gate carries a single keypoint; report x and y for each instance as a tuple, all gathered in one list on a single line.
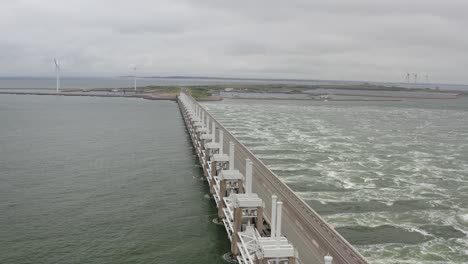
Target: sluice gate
[(265, 220)]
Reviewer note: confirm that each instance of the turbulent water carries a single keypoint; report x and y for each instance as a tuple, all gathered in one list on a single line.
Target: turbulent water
[(392, 177), (101, 180)]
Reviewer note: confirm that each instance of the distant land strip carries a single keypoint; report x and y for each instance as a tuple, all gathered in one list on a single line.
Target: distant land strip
[(143, 96)]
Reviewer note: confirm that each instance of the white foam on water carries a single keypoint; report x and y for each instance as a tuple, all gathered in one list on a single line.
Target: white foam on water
[(463, 220), (407, 159), (421, 231), (429, 252), (405, 220)]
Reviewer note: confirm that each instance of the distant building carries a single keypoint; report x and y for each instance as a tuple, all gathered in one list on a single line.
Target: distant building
[(228, 89)]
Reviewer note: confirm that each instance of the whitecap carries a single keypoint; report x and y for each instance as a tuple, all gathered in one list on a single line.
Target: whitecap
[(462, 219)]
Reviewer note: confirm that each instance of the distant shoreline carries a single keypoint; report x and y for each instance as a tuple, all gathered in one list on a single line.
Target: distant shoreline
[(371, 98), (142, 96), (217, 92), (118, 82), (315, 100)]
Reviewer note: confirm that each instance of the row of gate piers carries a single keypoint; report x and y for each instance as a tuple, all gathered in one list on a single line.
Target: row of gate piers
[(254, 240)]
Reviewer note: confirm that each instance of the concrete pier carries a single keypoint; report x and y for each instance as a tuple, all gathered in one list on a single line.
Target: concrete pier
[(265, 220)]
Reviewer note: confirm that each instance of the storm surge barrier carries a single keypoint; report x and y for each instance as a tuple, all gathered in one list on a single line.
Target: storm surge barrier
[(265, 220)]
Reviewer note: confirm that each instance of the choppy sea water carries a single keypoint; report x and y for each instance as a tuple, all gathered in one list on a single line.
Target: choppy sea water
[(392, 177), (101, 180)]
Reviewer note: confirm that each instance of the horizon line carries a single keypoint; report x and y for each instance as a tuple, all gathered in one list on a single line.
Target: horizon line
[(230, 78)]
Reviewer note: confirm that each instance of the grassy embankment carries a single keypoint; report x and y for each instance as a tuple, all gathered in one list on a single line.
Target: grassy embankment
[(203, 92), (208, 92), (298, 88), (161, 90)]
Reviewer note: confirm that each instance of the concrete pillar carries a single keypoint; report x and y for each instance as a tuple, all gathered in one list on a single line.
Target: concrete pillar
[(221, 141), (241, 186), (274, 199), (205, 168), (279, 206), (257, 261), (259, 222), (207, 158), (222, 194), (291, 260), (213, 131), (213, 173), (248, 176), (237, 228), (203, 119), (231, 155)]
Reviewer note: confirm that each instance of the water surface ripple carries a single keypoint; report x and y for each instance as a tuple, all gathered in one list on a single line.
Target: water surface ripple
[(101, 180)]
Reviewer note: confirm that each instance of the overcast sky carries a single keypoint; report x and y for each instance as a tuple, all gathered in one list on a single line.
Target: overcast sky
[(375, 40)]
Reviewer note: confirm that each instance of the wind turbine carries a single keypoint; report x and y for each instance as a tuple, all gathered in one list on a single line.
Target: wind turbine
[(427, 78), (57, 72), (134, 77), (408, 76), (415, 77)]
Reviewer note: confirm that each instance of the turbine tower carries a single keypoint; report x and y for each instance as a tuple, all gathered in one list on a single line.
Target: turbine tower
[(407, 78), (57, 72), (134, 78), (427, 78), (415, 77)]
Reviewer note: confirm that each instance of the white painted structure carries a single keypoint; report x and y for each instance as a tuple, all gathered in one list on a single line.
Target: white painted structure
[(239, 209), (286, 231), (57, 76)]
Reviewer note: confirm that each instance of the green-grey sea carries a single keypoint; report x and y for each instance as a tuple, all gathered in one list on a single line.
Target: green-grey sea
[(101, 180)]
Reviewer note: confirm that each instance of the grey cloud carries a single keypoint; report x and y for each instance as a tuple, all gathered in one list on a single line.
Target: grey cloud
[(151, 28), (246, 49), (335, 39)]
